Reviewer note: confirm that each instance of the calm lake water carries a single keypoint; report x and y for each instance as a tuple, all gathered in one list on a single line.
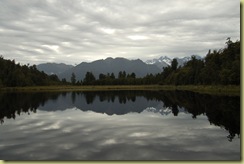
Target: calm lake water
[(122, 125)]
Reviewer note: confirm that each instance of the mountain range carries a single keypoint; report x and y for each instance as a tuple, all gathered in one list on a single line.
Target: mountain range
[(111, 65)]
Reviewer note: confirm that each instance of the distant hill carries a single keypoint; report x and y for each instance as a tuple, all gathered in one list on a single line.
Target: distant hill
[(111, 65), (53, 68)]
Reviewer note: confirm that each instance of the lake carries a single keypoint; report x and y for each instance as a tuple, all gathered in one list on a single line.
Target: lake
[(119, 125)]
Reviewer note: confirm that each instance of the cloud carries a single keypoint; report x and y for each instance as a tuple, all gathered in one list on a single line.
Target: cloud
[(85, 30)]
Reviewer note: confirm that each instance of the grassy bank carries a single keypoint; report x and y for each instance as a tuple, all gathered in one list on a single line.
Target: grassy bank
[(217, 90)]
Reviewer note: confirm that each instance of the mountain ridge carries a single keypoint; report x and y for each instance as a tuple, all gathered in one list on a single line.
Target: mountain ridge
[(111, 65)]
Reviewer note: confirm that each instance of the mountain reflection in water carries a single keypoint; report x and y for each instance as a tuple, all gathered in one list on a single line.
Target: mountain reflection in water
[(221, 111)]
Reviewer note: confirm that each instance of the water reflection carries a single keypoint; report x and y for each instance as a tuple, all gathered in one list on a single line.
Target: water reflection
[(222, 111), (13, 104), (122, 125)]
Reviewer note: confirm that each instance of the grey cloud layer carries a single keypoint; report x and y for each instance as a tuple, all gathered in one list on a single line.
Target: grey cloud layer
[(84, 30)]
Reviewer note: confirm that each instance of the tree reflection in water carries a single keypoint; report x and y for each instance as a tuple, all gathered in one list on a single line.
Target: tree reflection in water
[(13, 104), (222, 111)]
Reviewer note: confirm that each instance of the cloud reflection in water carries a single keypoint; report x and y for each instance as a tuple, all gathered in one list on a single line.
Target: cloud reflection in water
[(91, 136)]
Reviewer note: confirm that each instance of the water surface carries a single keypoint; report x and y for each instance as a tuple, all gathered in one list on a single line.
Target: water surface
[(122, 125)]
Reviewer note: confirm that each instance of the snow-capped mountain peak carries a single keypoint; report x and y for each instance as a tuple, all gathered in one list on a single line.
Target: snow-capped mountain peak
[(165, 61)]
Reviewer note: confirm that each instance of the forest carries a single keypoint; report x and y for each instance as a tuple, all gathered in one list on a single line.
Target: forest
[(12, 75), (219, 67)]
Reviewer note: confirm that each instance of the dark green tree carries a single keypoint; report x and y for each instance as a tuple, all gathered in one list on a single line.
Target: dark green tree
[(112, 76), (89, 79), (73, 78), (174, 64), (102, 76), (132, 75)]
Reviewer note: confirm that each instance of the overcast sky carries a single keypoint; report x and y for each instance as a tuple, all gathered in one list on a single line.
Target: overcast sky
[(73, 31)]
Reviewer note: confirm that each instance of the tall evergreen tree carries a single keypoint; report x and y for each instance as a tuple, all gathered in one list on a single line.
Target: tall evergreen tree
[(73, 79), (89, 78)]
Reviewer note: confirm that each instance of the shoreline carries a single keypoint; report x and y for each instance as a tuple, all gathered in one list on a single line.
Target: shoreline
[(207, 89)]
